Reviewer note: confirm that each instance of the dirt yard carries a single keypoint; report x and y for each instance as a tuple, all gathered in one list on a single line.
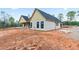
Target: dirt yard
[(25, 39)]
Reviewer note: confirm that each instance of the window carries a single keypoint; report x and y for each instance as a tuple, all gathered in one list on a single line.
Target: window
[(56, 24), (37, 24), (42, 24), (30, 24)]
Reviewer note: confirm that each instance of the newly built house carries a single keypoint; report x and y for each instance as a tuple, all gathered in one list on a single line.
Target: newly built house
[(24, 21), (41, 20)]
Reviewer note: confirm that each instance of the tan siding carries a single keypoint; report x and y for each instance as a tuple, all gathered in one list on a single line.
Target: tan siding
[(37, 16), (22, 20)]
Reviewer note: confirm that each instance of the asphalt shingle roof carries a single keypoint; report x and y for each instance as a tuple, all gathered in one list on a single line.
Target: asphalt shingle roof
[(48, 16), (25, 17)]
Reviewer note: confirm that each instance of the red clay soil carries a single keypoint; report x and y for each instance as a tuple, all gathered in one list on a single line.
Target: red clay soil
[(25, 39)]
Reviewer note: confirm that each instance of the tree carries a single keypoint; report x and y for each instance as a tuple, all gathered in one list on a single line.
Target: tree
[(7, 20), (77, 13), (71, 15), (11, 21), (1, 24), (60, 16), (3, 18)]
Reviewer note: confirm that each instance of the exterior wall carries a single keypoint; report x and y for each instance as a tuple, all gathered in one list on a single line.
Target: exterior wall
[(34, 25), (37, 16), (47, 25), (50, 25), (22, 20), (58, 26), (23, 25)]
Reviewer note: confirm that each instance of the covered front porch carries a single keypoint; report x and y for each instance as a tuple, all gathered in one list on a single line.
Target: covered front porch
[(26, 24)]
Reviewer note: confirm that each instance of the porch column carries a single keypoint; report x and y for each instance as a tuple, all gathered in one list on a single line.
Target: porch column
[(23, 25)]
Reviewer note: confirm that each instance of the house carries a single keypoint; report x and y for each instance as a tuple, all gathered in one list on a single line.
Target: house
[(24, 21), (41, 20)]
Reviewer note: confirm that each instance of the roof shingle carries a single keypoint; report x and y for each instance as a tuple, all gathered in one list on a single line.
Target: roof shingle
[(25, 17), (48, 16)]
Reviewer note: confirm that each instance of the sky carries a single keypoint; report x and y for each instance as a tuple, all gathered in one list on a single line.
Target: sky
[(17, 12)]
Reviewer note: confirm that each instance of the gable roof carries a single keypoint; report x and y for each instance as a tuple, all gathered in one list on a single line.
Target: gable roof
[(25, 17), (48, 16)]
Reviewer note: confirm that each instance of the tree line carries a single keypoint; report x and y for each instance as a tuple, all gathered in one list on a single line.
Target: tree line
[(7, 20), (70, 18)]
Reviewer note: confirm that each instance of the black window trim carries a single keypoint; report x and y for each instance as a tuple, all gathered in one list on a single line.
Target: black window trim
[(42, 24), (37, 24)]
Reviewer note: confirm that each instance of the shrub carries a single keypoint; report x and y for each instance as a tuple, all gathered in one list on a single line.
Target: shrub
[(71, 23)]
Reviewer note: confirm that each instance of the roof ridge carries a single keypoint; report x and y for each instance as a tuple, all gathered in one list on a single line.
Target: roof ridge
[(25, 17), (43, 12), (47, 16)]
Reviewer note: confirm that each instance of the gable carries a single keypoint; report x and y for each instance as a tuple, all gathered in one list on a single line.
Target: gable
[(48, 16), (37, 16), (22, 20)]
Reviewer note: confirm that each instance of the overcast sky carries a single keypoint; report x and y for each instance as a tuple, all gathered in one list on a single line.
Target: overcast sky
[(17, 12)]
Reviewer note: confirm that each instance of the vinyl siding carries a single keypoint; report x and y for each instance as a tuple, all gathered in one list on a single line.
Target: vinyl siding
[(22, 20), (58, 26), (47, 25), (37, 16)]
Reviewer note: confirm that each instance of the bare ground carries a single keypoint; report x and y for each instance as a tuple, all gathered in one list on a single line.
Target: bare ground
[(25, 39)]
